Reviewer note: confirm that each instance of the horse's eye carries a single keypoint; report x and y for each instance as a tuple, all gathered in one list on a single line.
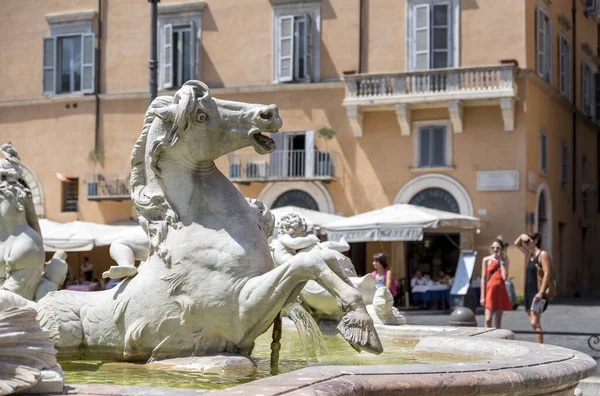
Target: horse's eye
[(201, 117)]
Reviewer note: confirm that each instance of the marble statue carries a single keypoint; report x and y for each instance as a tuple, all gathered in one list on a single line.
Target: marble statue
[(27, 357), (382, 310), (208, 285), (21, 248), (55, 273), (135, 245), (293, 237), (22, 269)]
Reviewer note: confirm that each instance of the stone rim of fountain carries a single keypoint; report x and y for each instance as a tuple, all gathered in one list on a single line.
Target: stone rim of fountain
[(510, 366), (505, 366)]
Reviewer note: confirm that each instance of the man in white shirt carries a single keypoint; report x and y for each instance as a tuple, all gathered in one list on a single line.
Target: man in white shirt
[(418, 280)]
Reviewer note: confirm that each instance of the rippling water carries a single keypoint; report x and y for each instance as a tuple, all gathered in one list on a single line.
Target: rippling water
[(292, 357)]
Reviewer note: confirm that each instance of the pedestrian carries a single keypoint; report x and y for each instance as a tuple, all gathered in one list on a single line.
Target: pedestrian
[(539, 283), (382, 275), (494, 296)]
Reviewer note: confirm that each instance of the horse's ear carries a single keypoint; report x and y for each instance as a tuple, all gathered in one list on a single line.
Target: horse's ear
[(166, 113)]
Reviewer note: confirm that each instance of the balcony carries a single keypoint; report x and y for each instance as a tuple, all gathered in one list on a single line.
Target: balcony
[(113, 187), (436, 88), (282, 166)]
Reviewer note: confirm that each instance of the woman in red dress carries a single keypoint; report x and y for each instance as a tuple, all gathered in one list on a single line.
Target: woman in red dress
[(494, 296)]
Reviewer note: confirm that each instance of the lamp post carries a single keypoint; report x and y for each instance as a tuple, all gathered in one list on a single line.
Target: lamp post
[(153, 50)]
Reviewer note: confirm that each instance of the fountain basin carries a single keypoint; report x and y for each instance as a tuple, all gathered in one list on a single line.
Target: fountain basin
[(486, 361)]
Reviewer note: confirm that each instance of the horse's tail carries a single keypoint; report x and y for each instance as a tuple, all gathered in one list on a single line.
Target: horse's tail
[(60, 313)]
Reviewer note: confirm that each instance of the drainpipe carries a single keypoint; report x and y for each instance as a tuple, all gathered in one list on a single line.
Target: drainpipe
[(153, 50), (360, 35), (574, 89), (97, 76)]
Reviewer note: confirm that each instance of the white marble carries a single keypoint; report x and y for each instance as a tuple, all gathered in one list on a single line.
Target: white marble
[(209, 285), (27, 357), (498, 180), (22, 265)]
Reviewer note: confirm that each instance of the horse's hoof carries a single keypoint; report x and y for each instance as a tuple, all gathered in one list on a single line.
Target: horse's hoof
[(120, 271), (357, 328)]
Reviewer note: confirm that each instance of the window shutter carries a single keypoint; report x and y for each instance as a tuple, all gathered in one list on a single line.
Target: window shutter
[(193, 73), (539, 42), (567, 72), (597, 96), (88, 49), (439, 146), (309, 47), (421, 60), (167, 57), (425, 147), (441, 36), (309, 148), (548, 51), (285, 49), (49, 68), (561, 65)]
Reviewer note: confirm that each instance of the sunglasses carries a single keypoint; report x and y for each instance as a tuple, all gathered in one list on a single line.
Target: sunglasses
[(495, 248)]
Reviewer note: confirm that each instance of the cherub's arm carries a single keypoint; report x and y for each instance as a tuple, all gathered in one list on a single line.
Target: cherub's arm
[(298, 242)]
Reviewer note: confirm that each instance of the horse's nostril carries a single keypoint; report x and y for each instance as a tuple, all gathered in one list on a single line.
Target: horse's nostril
[(266, 114)]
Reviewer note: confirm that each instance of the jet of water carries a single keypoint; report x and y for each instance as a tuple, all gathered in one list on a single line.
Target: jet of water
[(310, 335)]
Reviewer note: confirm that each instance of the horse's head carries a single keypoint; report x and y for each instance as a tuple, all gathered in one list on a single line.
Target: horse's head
[(206, 128)]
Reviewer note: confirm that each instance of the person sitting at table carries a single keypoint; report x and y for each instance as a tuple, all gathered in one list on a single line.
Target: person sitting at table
[(87, 270), (418, 280), (444, 278)]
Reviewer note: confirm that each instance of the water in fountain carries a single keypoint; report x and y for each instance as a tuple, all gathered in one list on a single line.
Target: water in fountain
[(311, 337)]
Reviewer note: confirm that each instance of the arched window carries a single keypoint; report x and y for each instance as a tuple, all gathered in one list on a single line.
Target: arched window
[(436, 198), (298, 198)]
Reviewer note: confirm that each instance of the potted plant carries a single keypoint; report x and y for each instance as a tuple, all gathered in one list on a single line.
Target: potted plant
[(324, 159), (94, 156)]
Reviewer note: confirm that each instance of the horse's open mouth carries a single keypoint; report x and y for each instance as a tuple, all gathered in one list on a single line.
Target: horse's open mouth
[(262, 143)]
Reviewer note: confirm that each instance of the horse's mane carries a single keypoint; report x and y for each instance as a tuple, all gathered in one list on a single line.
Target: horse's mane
[(155, 213)]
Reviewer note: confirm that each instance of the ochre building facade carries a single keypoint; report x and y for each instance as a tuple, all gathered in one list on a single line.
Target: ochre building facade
[(484, 108)]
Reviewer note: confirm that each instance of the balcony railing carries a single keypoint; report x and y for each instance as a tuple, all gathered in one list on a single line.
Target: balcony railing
[(282, 165), (107, 187), (452, 88), (477, 81)]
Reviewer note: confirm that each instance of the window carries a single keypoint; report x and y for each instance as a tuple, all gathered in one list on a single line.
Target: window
[(432, 31), (590, 6), (69, 63), (564, 67), (294, 47), (544, 45), (177, 54), (178, 42), (432, 146), (543, 152), (70, 195), (296, 41), (564, 163), (587, 89)]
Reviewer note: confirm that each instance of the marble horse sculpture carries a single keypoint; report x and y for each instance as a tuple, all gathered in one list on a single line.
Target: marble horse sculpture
[(208, 285)]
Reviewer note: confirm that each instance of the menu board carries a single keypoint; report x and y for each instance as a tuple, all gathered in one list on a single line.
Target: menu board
[(464, 272)]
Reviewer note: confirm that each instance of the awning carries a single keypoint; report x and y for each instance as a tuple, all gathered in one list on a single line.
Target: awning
[(400, 222), (313, 218), (81, 236)]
